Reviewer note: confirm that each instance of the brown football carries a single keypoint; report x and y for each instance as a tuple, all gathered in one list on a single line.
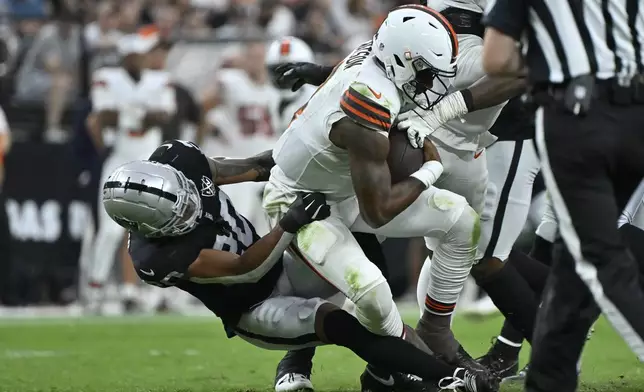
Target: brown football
[(403, 159)]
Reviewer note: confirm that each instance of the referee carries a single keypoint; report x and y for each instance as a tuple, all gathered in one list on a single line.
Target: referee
[(584, 63)]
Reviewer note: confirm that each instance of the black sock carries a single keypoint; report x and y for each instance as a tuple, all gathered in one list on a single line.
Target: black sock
[(514, 298), (296, 361), (532, 270), (542, 250), (384, 352), (511, 334)]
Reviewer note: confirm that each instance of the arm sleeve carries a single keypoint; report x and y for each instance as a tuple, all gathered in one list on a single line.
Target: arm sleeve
[(509, 17), (366, 107)]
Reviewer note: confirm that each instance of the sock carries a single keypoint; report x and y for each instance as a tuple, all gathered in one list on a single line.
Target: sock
[(129, 291), (514, 298), (510, 338), (436, 332), (384, 352), (533, 271), (542, 250), (297, 361)]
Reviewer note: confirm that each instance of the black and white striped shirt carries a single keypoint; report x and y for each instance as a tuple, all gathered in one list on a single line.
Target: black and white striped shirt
[(564, 39)]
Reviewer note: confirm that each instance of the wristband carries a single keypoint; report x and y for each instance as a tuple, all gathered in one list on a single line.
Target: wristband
[(428, 173)]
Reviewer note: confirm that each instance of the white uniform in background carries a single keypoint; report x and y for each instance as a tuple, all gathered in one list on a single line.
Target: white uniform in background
[(248, 119), (290, 50), (114, 89), (306, 160)]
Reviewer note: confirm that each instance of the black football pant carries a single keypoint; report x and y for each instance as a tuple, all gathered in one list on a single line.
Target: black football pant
[(591, 165)]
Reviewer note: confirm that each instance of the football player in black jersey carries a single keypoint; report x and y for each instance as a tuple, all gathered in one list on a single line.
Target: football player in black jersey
[(185, 232)]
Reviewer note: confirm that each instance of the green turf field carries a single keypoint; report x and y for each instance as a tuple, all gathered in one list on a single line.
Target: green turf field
[(189, 354)]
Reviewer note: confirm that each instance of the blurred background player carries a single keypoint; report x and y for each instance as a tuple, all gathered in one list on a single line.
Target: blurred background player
[(280, 52), (244, 107), (135, 101)]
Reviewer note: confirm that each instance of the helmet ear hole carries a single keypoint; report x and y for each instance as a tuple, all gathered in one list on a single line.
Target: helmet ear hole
[(399, 61)]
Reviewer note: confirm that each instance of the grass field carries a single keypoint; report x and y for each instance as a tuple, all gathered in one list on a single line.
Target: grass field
[(191, 354)]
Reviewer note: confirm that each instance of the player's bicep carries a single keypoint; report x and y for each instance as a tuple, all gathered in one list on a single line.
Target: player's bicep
[(360, 107)]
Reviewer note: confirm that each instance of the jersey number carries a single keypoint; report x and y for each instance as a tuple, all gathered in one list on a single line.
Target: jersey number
[(255, 120)]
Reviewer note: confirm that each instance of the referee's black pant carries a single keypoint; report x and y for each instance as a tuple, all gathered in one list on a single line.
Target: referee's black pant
[(591, 166)]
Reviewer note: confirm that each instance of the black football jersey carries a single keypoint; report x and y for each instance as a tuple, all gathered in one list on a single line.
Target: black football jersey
[(164, 261)]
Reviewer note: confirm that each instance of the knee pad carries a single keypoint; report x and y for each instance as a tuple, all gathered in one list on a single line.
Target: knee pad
[(377, 311), (464, 236)]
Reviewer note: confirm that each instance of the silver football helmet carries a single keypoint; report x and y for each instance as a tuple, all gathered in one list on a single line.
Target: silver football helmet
[(152, 199)]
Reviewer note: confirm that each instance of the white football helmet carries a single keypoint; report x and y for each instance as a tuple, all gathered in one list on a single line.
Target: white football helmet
[(288, 50), (418, 47)]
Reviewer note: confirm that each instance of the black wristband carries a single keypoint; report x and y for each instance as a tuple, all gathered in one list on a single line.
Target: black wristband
[(469, 99)]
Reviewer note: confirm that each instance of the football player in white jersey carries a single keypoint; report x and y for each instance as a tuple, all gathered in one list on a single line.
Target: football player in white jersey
[(243, 104), (289, 50), (136, 102), (337, 145), (512, 160)]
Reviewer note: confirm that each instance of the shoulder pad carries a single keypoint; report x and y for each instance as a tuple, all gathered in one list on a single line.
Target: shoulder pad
[(368, 107)]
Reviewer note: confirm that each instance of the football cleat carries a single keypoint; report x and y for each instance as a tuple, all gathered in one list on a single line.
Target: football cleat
[(294, 371), (467, 381), (291, 382), (500, 360), (370, 381), (518, 377)]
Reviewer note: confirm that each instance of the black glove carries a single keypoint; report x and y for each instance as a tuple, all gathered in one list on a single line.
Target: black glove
[(308, 207), (295, 75)]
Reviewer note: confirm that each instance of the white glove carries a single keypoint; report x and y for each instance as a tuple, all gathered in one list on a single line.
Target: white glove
[(417, 127)]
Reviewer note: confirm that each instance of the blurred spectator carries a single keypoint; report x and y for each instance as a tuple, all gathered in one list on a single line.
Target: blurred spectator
[(354, 20), (28, 9), (48, 71), (103, 33), (195, 24), (317, 31), (130, 15), (5, 234), (166, 19), (276, 19)]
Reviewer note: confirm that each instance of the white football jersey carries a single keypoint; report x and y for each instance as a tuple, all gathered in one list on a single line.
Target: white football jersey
[(248, 114), (470, 132), (114, 89), (288, 107), (358, 89)]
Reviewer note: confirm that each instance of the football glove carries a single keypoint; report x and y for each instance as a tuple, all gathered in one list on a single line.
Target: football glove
[(307, 208), (295, 75)]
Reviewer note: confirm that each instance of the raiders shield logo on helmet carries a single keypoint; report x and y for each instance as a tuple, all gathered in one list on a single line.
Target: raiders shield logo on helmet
[(207, 187)]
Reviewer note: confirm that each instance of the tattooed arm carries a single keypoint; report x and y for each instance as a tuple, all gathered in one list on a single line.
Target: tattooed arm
[(379, 201), (231, 171)]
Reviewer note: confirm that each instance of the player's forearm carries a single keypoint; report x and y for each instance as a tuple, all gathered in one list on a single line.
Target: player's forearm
[(323, 73), (232, 171), (380, 202), (493, 91), (255, 262)]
